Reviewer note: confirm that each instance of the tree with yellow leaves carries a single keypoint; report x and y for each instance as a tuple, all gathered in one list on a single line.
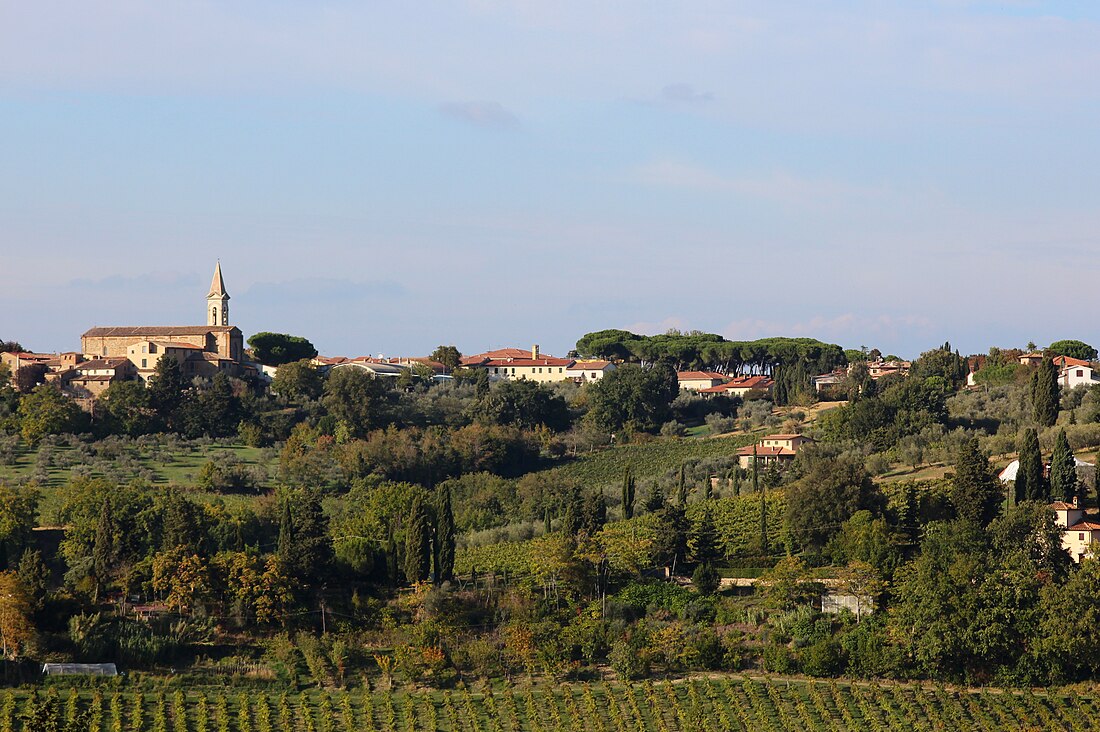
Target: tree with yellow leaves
[(16, 629)]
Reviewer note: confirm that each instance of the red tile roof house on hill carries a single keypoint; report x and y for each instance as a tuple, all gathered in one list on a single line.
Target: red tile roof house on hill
[(697, 380), (741, 386), (772, 449), (513, 363)]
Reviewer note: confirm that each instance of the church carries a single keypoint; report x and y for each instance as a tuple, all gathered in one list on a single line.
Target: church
[(202, 350)]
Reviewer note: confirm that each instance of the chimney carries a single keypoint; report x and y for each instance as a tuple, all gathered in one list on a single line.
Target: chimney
[(1075, 501), (535, 352)]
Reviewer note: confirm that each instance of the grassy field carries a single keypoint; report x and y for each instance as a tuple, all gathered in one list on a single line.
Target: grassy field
[(703, 705)]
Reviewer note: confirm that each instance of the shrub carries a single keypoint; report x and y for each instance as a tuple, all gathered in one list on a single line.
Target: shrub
[(822, 658), (705, 579), (626, 657), (778, 659)]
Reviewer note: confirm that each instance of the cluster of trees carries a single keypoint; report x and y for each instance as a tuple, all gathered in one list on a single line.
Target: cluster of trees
[(800, 358)]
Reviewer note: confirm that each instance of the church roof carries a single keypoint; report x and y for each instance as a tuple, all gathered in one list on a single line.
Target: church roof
[(217, 285), (151, 332)]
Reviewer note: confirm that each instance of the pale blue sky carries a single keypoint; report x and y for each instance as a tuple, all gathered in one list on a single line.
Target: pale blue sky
[(382, 178)]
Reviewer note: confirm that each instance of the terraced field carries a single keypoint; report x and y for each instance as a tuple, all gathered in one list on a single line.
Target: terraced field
[(706, 705)]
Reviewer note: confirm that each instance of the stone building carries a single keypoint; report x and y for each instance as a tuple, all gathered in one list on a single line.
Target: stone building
[(202, 350)]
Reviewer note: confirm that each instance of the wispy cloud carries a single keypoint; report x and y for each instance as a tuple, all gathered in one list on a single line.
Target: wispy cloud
[(780, 186), (492, 115), (685, 93)]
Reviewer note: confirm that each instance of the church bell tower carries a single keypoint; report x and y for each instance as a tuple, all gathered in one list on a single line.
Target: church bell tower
[(217, 302)]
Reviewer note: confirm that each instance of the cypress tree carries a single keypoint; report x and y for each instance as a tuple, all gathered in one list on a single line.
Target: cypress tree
[(418, 543), (103, 550), (1045, 393), (595, 511), (1096, 477), (1031, 485), (547, 527), (445, 536), (656, 498), (1063, 470), (628, 494), (285, 547), (392, 558), (976, 490), (681, 488), (573, 521), (704, 538), (735, 479), (763, 503)]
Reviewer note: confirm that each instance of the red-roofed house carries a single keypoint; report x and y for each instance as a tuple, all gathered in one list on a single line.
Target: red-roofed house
[(741, 386), (513, 363), (697, 380), (589, 370), (772, 449), (1077, 375), (1079, 530)]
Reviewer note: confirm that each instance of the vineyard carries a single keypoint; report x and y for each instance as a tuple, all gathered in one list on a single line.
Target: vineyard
[(648, 459), (732, 703)]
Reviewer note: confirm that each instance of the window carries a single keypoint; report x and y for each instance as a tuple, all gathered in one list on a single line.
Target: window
[(144, 349), (144, 364), (1080, 372), (1080, 537)]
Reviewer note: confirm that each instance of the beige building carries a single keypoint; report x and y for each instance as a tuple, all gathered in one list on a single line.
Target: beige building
[(1079, 531), (772, 449), (740, 386), (91, 378), (514, 363), (699, 380), (202, 350)]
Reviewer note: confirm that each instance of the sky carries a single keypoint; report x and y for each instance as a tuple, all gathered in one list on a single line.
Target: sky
[(383, 178)]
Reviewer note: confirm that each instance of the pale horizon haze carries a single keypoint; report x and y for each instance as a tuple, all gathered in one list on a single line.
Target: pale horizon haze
[(385, 178)]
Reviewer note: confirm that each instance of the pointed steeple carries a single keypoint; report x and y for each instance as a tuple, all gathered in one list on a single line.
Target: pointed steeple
[(217, 285), (217, 302)]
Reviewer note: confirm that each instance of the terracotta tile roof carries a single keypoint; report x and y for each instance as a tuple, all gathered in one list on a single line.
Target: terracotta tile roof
[(170, 344), (1085, 525), (1063, 506), (102, 363), (156, 330), (762, 451), (1065, 361), (699, 375), (589, 365), (502, 362), (741, 382)]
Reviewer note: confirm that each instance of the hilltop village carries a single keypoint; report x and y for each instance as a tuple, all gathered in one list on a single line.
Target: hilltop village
[(202, 509)]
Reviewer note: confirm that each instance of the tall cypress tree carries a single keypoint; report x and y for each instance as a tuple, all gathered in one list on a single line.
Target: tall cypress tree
[(445, 536), (1045, 393), (418, 543), (595, 511), (628, 493), (704, 538), (976, 490), (756, 488), (103, 550), (1031, 485), (573, 520), (1063, 470), (681, 488)]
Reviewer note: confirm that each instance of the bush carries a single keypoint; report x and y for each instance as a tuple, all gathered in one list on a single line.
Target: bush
[(626, 657), (823, 658), (778, 659), (673, 429), (705, 579)]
